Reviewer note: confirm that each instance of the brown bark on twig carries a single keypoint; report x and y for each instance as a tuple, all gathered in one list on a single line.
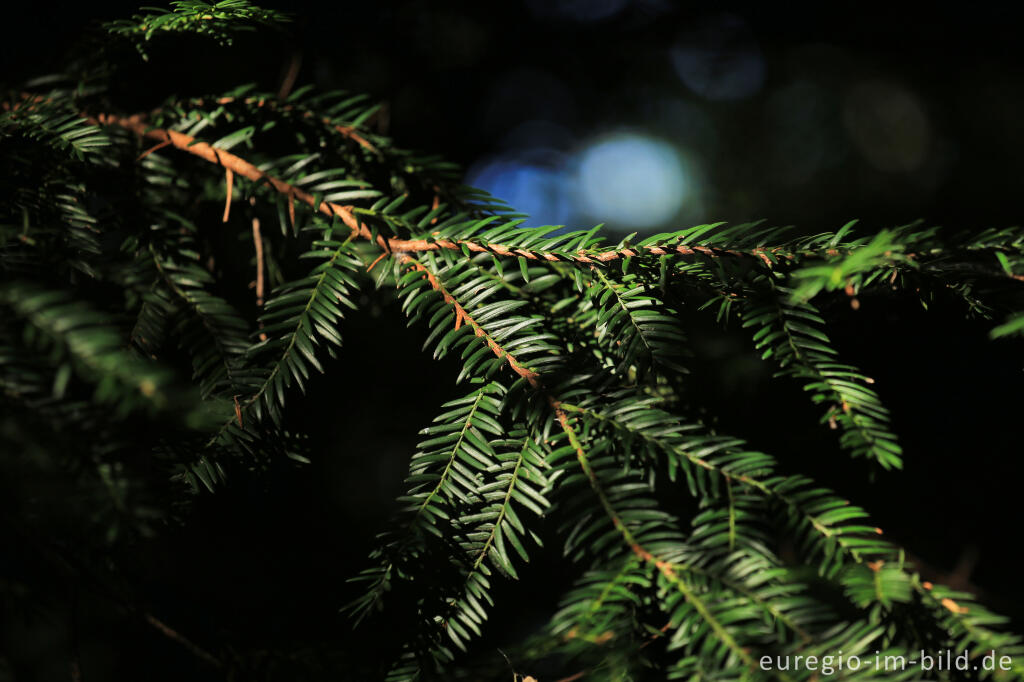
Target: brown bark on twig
[(242, 167), (462, 316), (176, 636), (294, 64), (257, 240), (157, 147), (229, 181)]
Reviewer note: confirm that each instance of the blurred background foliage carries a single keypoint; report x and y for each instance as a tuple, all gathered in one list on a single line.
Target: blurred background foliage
[(646, 115)]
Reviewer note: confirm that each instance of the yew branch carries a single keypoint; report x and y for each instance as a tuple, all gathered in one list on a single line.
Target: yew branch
[(463, 317), (240, 166)]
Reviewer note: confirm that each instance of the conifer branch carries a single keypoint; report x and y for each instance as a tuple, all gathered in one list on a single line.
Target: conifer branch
[(463, 317), (349, 132), (666, 568), (240, 166), (768, 256), (594, 429)]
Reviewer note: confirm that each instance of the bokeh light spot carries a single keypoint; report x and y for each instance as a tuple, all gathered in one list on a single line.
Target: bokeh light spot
[(888, 125), (631, 179), (535, 183), (719, 59)]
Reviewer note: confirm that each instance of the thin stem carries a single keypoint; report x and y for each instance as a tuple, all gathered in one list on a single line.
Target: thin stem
[(257, 241), (71, 565), (667, 569)]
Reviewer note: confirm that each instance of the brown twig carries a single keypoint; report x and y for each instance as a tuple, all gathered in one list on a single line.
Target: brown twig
[(379, 258), (176, 636), (158, 146), (345, 131), (462, 316), (229, 182), (665, 567), (72, 566), (230, 161), (294, 64), (242, 167), (257, 240), (136, 123), (435, 203), (654, 638)]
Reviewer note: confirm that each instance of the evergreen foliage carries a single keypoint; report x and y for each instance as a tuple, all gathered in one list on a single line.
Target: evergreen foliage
[(130, 353)]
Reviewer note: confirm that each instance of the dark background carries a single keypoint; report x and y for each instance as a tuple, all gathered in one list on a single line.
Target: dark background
[(797, 116)]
